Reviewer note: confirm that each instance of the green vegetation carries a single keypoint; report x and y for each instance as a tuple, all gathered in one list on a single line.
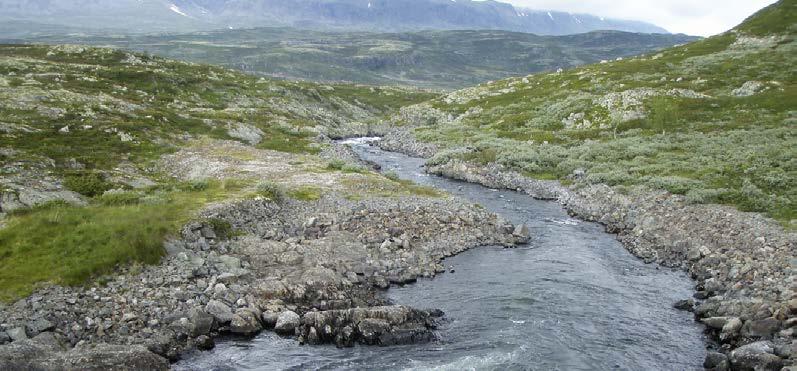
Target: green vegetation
[(306, 193), (271, 191), (388, 185), (87, 184), (62, 244), (433, 59), (91, 120), (713, 120)]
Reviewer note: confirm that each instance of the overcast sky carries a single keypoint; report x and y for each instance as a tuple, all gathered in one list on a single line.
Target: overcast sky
[(693, 17)]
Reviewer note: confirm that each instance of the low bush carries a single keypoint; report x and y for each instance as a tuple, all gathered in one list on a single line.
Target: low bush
[(89, 184), (271, 191)]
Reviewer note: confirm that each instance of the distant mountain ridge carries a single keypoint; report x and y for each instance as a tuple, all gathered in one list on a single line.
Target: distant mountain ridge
[(367, 15)]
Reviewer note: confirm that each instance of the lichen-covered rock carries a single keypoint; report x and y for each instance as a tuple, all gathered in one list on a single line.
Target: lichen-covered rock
[(372, 326)]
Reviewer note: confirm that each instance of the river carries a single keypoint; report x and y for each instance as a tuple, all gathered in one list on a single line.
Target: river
[(573, 299)]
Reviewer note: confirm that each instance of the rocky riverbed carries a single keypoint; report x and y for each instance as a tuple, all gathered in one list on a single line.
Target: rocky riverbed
[(743, 264), (314, 270)]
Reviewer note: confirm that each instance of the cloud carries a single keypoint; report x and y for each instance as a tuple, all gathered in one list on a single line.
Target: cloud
[(694, 17)]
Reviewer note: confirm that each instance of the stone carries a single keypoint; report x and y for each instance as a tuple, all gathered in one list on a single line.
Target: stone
[(522, 231), (220, 311), (39, 325), (17, 334), (731, 329), (287, 322), (4, 338), (757, 356), (201, 322), (686, 305), (716, 362), (245, 322), (764, 328), (715, 322), (52, 341)]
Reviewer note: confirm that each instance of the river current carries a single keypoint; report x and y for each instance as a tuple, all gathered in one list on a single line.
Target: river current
[(572, 299)]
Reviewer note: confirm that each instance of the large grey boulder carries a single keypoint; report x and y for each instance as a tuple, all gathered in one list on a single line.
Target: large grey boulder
[(388, 325), (763, 328), (220, 311), (287, 322), (758, 356), (201, 322), (245, 322), (18, 334)]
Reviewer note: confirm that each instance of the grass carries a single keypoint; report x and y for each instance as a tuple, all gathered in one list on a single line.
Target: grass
[(306, 193), (69, 245)]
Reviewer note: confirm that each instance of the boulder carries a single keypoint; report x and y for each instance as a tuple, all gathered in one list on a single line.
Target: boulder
[(4, 338), (220, 311), (245, 322), (17, 334), (730, 329), (389, 325), (52, 341), (686, 304), (758, 356), (201, 322), (287, 322), (763, 328), (522, 233), (38, 325), (716, 323), (716, 362)]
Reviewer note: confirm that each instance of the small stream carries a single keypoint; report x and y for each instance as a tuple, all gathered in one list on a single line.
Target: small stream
[(573, 299)]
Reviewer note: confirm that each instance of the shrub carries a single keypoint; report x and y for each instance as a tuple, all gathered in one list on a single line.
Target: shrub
[(87, 184), (271, 191), (348, 168), (392, 175), (336, 165), (198, 185)]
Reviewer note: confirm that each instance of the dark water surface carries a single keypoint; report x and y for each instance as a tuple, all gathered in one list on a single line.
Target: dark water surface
[(574, 299)]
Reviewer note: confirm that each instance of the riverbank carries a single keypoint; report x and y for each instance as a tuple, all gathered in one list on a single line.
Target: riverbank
[(312, 266), (742, 262)]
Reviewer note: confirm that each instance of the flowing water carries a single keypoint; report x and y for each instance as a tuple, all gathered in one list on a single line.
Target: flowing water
[(573, 299)]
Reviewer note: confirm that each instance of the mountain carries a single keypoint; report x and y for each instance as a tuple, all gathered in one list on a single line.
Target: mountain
[(714, 120), (435, 59), (372, 15)]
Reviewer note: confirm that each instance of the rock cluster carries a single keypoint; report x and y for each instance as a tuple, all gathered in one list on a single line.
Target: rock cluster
[(311, 269)]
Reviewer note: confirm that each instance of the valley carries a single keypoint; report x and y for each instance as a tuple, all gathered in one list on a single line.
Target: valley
[(327, 198)]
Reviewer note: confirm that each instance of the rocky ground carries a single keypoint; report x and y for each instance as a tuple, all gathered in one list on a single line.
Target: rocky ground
[(313, 269), (743, 263)]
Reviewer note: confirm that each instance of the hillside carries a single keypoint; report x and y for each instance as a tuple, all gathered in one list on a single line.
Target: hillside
[(147, 16), (713, 120), (78, 122), (436, 59)]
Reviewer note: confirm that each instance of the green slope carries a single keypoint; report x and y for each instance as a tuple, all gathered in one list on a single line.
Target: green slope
[(714, 119), (90, 120), (438, 59)]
